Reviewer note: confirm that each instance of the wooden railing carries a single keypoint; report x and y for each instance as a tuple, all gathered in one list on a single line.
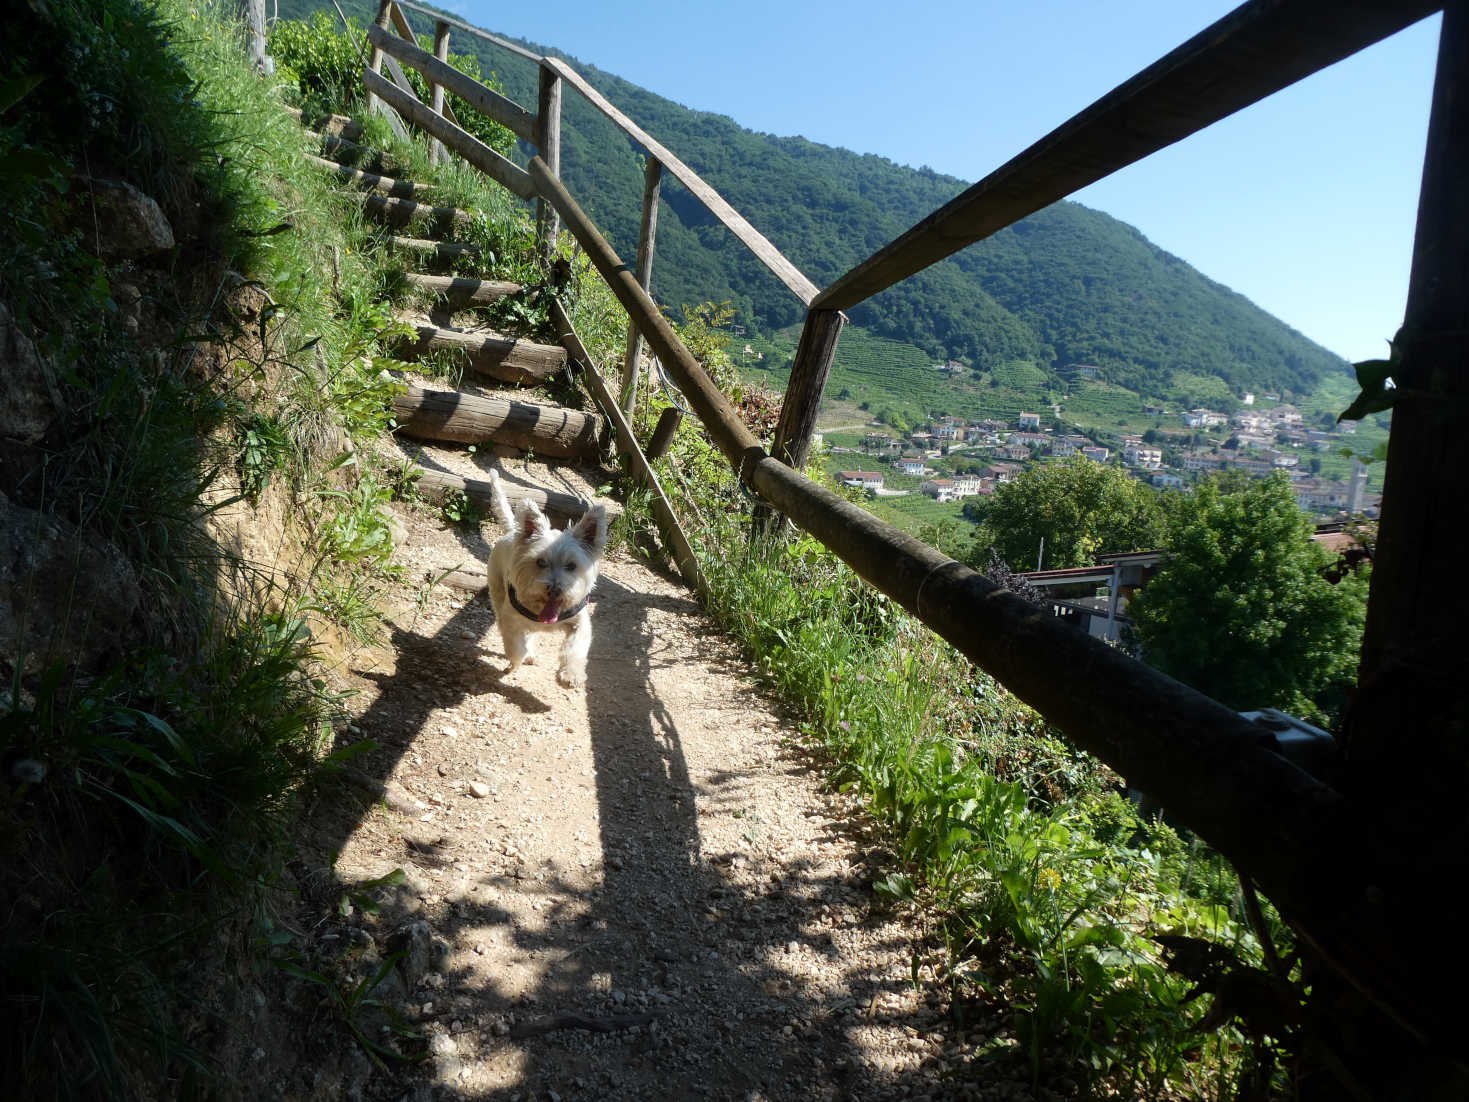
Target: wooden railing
[(542, 129), (1315, 850)]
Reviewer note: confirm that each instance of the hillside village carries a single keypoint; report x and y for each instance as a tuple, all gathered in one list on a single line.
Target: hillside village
[(951, 458)]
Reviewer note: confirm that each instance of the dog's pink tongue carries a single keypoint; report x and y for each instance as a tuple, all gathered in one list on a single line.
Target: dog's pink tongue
[(550, 611)]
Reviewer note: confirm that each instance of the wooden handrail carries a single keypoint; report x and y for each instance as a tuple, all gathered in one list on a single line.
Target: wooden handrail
[(735, 222), (1254, 51), (487, 101), (1301, 841), (466, 145), (518, 51)]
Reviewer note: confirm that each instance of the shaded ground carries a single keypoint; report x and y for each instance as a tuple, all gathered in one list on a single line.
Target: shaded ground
[(640, 891)]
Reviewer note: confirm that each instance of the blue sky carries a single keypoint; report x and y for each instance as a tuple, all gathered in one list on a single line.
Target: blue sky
[(1305, 203)]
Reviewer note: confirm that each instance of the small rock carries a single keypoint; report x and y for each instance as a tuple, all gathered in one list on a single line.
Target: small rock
[(449, 732), (441, 1044), (128, 224), (415, 941), (478, 789), (399, 799)]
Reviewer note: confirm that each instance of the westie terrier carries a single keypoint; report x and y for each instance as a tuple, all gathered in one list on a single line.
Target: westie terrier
[(540, 579)]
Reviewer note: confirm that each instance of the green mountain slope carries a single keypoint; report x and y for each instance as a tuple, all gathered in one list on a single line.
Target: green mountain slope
[(1067, 285)]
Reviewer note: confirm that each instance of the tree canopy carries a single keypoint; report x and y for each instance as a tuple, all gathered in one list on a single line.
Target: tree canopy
[(1081, 508), (1241, 610)]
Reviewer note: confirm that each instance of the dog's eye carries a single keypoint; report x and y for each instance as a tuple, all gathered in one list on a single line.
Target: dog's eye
[(542, 563)]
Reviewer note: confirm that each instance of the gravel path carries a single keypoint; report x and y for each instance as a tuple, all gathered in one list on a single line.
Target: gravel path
[(639, 891)]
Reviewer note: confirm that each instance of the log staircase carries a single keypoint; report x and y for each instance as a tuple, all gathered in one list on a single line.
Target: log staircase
[(500, 417)]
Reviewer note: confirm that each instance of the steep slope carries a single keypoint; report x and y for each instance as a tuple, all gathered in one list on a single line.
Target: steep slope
[(1068, 285)]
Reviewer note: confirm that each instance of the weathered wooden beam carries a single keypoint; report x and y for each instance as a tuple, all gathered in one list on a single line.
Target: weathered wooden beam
[(466, 145), (1259, 48), (647, 240), (443, 252), (437, 152), (511, 47), (459, 292), (375, 55), (509, 360), (548, 141), (735, 222), (339, 126), (1406, 732), (436, 485), (802, 404), (667, 520), (371, 181), (344, 151), (479, 419), (1303, 844), (404, 212), (485, 100), (730, 434), (375, 63), (663, 432)]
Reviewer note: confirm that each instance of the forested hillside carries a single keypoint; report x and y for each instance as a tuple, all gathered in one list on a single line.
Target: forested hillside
[(1068, 285)]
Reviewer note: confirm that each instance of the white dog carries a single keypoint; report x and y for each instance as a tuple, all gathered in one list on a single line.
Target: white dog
[(540, 579)]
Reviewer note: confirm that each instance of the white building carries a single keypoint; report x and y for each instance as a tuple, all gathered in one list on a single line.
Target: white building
[(1143, 455), (940, 489)]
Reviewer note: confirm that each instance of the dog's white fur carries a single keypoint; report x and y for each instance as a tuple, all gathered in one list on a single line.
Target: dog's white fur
[(550, 571)]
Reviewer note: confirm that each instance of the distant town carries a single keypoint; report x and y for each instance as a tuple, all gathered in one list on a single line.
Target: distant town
[(952, 458)]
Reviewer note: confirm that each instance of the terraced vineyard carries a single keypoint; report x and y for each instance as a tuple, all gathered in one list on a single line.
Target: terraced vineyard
[(901, 378), (914, 511), (1021, 375), (1106, 406)]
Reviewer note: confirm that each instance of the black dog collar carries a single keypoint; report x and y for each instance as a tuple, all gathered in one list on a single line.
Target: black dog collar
[(529, 615)]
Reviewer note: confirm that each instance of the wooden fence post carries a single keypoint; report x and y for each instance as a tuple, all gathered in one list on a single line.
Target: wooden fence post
[(798, 412), (375, 58), (441, 51), (1406, 732), (548, 138), (647, 236)]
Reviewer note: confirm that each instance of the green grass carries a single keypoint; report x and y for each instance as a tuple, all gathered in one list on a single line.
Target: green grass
[(1039, 880), (913, 512), (173, 769)]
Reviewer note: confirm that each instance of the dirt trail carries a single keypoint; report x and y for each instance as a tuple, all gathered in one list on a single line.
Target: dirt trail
[(639, 891)]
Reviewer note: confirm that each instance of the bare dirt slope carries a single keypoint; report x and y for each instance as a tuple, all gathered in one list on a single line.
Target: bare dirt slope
[(642, 890)]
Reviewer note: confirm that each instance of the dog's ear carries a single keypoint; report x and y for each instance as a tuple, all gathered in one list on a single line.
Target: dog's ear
[(591, 530), (530, 522)]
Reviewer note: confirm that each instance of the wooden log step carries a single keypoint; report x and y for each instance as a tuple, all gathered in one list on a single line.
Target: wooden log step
[(371, 181), (404, 212), (474, 419), (460, 292), (436, 485), (338, 126), (358, 156), (439, 251), (502, 358)]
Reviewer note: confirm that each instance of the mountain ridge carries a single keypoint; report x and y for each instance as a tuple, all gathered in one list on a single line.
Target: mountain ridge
[(1066, 285)]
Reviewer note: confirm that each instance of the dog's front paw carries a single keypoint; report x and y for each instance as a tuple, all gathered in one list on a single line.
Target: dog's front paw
[(528, 660), (572, 679)]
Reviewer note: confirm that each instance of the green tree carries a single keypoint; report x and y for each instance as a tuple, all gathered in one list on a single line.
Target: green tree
[(1081, 508), (1241, 610)]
